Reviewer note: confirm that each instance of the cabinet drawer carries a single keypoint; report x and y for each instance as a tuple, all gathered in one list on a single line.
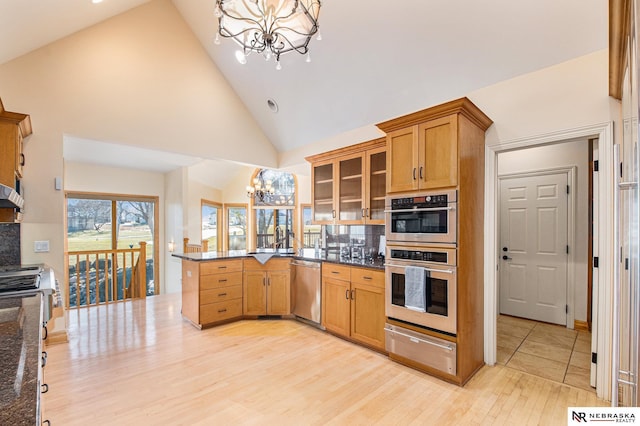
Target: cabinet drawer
[(222, 266), (215, 312), (228, 279), (338, 272), (367, 276), (220, 294)]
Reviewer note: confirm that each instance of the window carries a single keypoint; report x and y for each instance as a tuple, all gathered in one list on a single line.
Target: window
[(211, 213), (273, 201), (105, 238), (236, 216), (310, 232)]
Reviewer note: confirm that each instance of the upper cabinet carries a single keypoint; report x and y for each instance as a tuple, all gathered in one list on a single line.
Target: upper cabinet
[(14, 127), (349, 184), (423, 148)]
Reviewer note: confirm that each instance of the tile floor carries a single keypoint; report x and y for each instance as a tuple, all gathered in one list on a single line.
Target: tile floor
[(546, 350)]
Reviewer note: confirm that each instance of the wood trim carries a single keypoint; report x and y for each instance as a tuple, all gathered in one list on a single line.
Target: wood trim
[(581, 325), (57, 337), (461, 106), (619, 27), (340, 152)]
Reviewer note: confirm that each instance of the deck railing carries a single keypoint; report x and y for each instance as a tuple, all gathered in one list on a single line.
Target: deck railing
[(96, 277)]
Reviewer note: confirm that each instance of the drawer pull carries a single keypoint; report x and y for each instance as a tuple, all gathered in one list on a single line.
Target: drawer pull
[(222, 281), (220, 311), (367, 278), (222, 267), (44, 359), (222, 294), (335, 272), (44, 388), (346, 294)]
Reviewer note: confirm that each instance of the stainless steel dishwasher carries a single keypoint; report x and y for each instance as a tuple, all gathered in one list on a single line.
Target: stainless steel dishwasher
[(306, 294)]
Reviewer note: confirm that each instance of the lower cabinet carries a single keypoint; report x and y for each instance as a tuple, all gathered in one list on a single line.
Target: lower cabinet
[(211, 291), (267, 287), (353, 303)]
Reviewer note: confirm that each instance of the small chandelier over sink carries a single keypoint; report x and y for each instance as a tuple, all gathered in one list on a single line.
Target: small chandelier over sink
[(261, 190), (269, 27)]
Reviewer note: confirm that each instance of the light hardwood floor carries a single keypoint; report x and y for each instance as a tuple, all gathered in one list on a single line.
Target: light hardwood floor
[(139, 363)]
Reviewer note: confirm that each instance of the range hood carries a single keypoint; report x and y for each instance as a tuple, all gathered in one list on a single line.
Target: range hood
[(9, 198)]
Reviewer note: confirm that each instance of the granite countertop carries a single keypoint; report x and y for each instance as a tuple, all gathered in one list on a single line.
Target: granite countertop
[(20, 346), (306, 254)]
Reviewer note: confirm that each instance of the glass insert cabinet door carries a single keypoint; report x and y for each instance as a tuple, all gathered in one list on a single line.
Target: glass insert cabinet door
[(351, 190), (323, 179), (377, 188)]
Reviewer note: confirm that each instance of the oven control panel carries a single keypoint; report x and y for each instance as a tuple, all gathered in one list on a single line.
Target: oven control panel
[(424, 256), (424, 201)]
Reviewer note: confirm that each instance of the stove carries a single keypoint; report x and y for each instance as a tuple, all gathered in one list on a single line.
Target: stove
[(17, 281)]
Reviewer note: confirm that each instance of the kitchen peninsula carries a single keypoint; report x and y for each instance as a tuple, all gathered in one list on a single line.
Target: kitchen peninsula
[(219, 287)]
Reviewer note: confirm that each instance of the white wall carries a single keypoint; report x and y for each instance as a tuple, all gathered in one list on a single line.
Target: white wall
[(568, 154), (175, 187), (141, 78)]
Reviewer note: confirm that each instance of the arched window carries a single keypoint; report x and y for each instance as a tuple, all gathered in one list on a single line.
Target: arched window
[(273, 200)]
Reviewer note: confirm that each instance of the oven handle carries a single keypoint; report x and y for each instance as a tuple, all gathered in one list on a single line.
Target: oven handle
[(424, 209), (446, 271), (414, 338)]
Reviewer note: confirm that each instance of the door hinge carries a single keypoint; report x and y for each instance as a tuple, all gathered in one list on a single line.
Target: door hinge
[(626, 263), (594, 358), (596, 166), (567, 189), (566, 309), (567, 249), (596, 260), (621, 169)]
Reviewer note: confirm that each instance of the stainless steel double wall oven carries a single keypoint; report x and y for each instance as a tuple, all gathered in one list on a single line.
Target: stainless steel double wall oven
[(421, 276)]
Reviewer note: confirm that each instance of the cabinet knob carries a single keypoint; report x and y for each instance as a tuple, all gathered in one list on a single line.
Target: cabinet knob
[(22, 159)]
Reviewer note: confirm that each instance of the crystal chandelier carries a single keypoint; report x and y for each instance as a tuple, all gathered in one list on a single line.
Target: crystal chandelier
[(270, 27)]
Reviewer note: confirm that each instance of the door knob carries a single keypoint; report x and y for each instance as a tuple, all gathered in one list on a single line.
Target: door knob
[(504, 249), (505, 257)]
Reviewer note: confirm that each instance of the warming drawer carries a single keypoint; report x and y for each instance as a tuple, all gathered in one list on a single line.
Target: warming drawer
[(421, 348)]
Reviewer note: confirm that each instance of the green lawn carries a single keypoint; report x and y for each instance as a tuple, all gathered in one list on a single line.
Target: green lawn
[(101, 240)]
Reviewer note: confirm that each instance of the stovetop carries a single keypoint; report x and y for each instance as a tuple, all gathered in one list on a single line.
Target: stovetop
[(14, 279)]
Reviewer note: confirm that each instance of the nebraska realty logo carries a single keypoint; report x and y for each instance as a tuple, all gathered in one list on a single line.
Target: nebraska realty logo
[(602, 415)]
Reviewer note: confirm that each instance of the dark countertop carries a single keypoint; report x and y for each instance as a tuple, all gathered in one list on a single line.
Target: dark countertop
[(307, 254), (20, 356)]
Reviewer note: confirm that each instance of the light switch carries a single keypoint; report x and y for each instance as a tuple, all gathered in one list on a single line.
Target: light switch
[(41, 246)]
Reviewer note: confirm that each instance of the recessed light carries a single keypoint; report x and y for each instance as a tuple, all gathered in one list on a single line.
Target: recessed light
[(96, 1), (273, 106)]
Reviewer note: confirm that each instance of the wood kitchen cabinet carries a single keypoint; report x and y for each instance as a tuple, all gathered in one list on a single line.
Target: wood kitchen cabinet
[(267, 287), (353, 303), (349, 184), (14, 128), (211, 291), (423, 149)]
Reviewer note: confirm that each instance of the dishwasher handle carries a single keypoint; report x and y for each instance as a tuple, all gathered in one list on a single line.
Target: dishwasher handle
[(306, 263)]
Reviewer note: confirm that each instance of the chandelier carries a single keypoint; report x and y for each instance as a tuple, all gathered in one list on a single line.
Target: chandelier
[(261, 190), (269, 27)]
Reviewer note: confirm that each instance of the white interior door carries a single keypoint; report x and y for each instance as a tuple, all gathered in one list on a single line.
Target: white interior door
[(533, 246)]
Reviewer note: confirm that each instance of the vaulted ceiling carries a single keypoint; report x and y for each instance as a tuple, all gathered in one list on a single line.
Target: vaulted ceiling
[(376, 61)]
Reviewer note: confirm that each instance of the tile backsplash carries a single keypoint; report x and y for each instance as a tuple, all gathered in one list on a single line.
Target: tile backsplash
[(9, 244), (339, 236)]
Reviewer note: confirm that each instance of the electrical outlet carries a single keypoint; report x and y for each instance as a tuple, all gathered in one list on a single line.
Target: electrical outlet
[(41, 246)]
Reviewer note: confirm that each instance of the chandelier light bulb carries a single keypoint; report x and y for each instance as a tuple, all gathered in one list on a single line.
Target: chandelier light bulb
[(278, 66), (319, 37), (308, 57), (240, 56), (217, 39)]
